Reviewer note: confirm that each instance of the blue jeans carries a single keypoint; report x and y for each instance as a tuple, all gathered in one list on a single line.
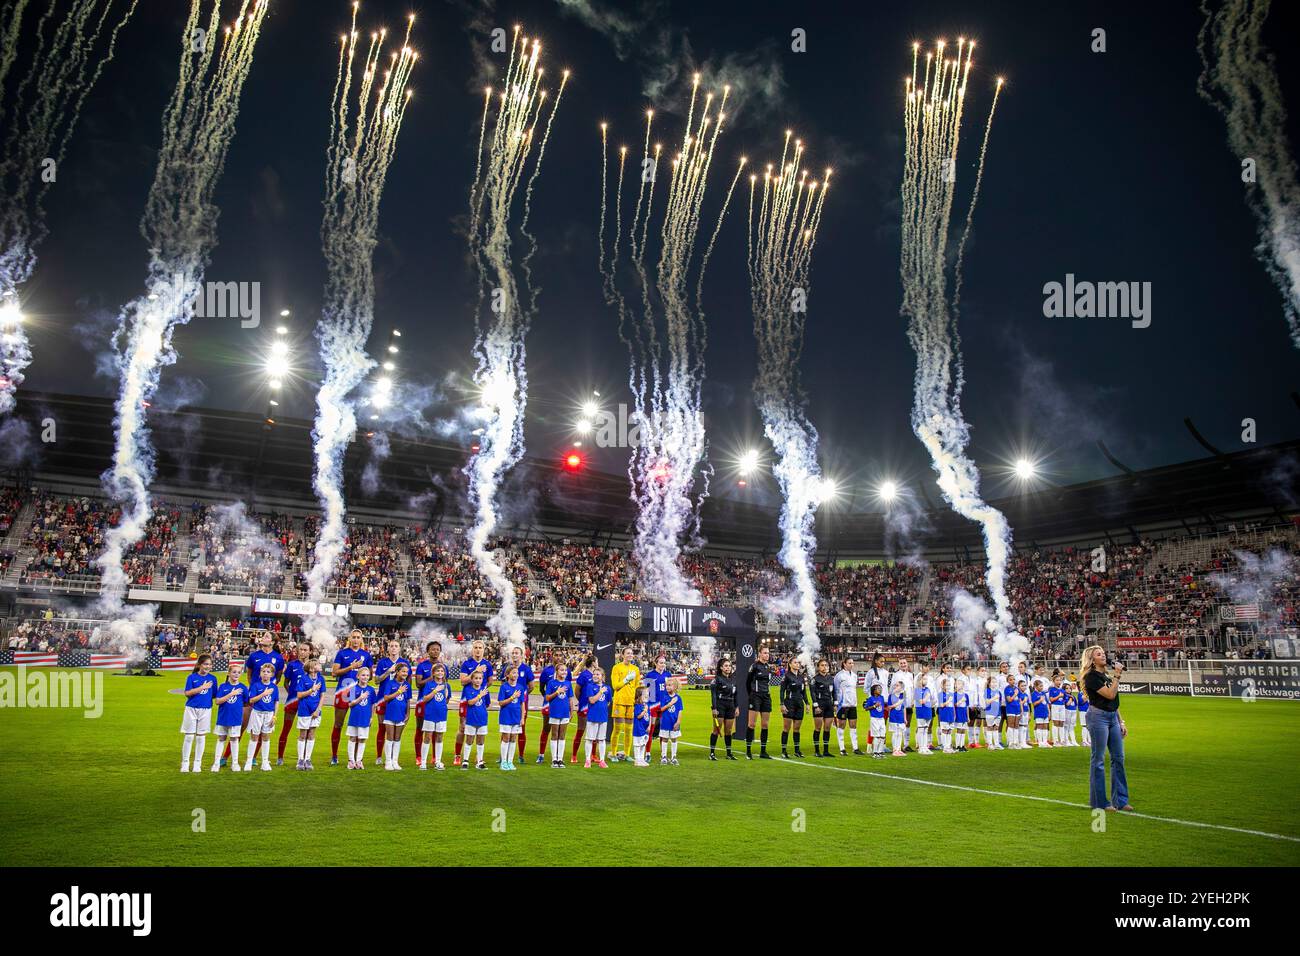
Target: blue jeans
[(1103, 727)]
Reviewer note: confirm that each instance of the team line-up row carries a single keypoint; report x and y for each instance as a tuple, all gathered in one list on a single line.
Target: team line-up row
[(627, 708)]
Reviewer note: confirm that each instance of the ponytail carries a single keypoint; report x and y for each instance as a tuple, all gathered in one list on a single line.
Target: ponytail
[(199, 663)]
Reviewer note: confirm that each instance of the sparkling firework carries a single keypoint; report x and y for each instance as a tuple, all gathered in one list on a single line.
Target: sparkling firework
[(666, 374), (785, 210), (504, 151), (39, 115), (372, 84), (179, 225), (935, 98), (1240, 81)]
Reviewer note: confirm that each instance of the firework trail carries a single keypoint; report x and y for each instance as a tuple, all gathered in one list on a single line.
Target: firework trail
[(783, 223), (934, 104), (180, 226), (39, 115), (663, 326), (360, 151), (1239, 79), (504, 149)]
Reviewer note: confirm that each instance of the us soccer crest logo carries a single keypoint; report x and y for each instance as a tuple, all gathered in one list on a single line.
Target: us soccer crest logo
[(634, 617)]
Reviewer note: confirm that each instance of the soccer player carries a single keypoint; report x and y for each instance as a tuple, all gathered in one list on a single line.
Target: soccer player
[(1026, 705), (1042, 710), (196, 720), (348, 663), (263, 694), (794, 697), (878, 673), (975, 690), (558, 694), (526, 679), (230, 716), (545, 677), (384, 670), (758, 685), (1082, 698), (423, 674), (624, 680), (1011, 706), (1071, 706), (475, 696), (293, 672), (437, 694), (309, 695), (875, 705), (992, 716), (961, 716), (360, 698), (670, 717), (904, 673), (898, 716), (641, 729), (474, 664), (723, 704), (395, 703), (846, 706), (947, 713), (580, 683), (923, 702), (1056, 706), (823, 702), (657, 678), (599, 698), (510, 698), (262, 653)]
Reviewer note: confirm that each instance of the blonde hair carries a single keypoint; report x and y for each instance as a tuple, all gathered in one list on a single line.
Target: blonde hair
[(1085, 662)]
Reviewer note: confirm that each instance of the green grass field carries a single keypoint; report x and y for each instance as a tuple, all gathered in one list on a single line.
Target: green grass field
[(107, 791)]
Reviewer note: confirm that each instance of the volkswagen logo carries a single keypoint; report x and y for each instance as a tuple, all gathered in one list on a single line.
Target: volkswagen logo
[(747, 651)]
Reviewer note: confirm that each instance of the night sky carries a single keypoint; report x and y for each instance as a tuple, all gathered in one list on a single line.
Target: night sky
[(1107, 166)]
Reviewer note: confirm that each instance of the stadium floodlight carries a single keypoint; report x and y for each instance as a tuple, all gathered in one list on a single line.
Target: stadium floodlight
[(829, 489), (887, 491), (749, 462), (392, 349), (1025, 469), (380, 400), (583, 426), (389, 366), (285, 313), (275, 384), (11, 316), (590, 408)]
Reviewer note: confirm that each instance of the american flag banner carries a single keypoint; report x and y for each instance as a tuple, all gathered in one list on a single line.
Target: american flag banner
[(1243, 612), (173, 663), (108, 661), (36, 658)]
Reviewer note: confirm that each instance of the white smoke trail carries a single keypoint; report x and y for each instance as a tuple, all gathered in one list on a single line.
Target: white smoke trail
[(358, 157), (500, 373), (782, 232), (666, 375), (932, 124), (179, 225), (1240, 80), (39, 115)]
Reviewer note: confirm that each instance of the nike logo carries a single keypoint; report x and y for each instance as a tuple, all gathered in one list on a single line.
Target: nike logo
[(601, 647)]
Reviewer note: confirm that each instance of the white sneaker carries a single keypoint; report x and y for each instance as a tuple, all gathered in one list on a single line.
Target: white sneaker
[(234, 768), (216, 768), (266, 766), (184, 768), (396, 765)]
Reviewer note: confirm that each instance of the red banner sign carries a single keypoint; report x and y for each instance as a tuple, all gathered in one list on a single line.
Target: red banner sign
[(1148, 642)]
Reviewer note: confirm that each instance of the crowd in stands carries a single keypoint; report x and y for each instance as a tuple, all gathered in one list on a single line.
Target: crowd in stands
[(11, 502), (66, 535), (445, 572)]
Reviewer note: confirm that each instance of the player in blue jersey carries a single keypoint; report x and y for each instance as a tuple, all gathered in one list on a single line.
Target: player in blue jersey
[(1042, 713), (641, 721), (947, 714), (670, 723), (875, 708), (545, 677), (923, 701), (434, 703), (657, 679), (1071, 705), (527, 678), (580, 682), (1011, 707), (510, 717), (475, 696), (384, 669), (196, 719), (264, 695), (423, 674), (263, 652), (309, 696), (348, 662), (898, 717), (1081, 697), (293, 671), (1056, 707), (961, 714), (476, 663), (559, 693), (992, 715), (229, 700), (600, 696), (395, 704)]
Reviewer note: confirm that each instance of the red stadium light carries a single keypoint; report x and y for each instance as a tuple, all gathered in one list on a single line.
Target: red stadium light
[(573, 461)]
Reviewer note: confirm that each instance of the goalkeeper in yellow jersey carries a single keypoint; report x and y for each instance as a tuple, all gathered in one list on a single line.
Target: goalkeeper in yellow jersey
[(624, 678)]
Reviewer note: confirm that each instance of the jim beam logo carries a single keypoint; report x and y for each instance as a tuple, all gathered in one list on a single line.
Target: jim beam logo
[(634, 617), (714, 621)]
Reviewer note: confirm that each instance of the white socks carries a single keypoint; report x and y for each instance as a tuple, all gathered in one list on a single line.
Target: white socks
[(200, 741), (839, 735), (437, 751), (853, 737), (673, 744), (187, 745)]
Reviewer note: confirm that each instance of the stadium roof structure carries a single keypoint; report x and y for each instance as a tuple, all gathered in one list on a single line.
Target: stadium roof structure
[(223, 454)]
